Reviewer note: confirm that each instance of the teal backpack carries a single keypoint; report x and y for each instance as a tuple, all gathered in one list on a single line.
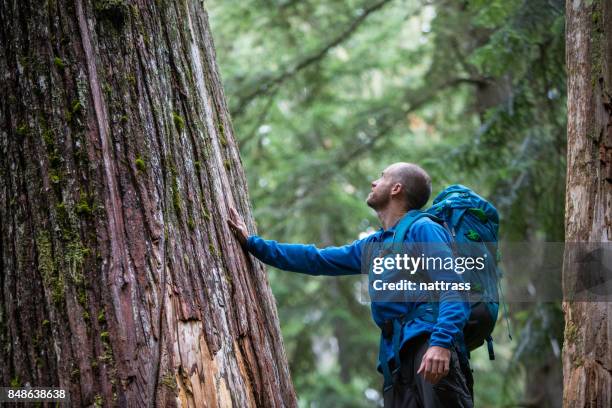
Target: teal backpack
[(473, 223)]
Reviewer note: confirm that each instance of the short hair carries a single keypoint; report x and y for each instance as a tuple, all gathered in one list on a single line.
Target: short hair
[(416, 183)]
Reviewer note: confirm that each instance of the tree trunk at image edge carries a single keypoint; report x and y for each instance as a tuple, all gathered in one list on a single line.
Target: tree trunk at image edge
[(587, 353), (120, 280)]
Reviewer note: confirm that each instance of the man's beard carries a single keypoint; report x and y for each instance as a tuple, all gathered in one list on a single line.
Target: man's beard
[(377, 202)]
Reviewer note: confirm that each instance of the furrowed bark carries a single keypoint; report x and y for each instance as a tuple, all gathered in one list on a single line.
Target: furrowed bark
[(587, 355), (120, 279)]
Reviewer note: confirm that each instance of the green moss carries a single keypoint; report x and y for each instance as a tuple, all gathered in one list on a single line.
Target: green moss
[(176, 197), (98, 401), (47, 267), (106, 357), (83, 207), (227, 164), (75, 373), (15, 382), (86, 316), (48, 138), (22, 130), (104, 336), (206, 215), (222, 134), (571, 332), (123, 118), (179, 122), (169, 381), (75, 255), (140, 164), (82, 298), (102, 317), (46, 323), (59, 63), (55, 178), (191, 223), (63, 220), (197, 165), (76, 106), (107, 89), (578, 361)]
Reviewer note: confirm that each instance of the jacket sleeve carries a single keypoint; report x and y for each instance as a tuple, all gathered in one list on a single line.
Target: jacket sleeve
[(453, 310), (308, 259)]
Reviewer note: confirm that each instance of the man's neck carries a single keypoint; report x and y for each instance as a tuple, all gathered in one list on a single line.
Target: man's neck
[(390, 216)]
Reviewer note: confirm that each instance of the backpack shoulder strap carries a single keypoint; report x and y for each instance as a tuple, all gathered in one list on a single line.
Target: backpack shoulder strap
[(404, 224)]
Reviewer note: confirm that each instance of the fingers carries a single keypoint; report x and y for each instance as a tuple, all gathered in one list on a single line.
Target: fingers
[(237, 221), (425, 368), (433, 367), (437, 370), (233, 214), (421, 367)]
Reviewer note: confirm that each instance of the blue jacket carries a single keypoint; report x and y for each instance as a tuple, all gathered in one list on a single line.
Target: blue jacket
[(346, 260)]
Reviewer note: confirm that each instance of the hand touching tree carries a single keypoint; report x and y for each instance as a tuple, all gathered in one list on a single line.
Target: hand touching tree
[(238, 227)]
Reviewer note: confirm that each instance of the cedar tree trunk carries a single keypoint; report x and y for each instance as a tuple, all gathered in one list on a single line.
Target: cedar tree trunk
[(119, 278), (587, 354)]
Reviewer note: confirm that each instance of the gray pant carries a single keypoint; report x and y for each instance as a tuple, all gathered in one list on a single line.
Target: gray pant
[(410, 390)]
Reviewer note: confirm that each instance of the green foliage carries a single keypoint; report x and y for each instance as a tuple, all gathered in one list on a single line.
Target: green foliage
[(324, 95)]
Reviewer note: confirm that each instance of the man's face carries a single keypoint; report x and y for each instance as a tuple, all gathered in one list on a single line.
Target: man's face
[(380, 195)]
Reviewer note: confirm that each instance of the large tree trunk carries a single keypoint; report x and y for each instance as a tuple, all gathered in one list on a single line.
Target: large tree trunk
[(587, 355), (119, 278)]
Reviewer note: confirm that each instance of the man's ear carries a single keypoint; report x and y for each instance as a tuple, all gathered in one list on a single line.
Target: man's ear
[(396, 189)]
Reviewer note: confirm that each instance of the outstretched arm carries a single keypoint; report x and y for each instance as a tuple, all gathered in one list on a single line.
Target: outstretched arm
[(308, 259)]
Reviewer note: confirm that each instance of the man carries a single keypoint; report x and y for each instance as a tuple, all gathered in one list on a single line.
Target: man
[(433, 371)]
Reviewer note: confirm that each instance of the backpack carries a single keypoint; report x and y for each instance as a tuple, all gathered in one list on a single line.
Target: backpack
[(471, 220)]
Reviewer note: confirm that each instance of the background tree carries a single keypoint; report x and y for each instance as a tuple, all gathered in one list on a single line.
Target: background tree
[(587, 356), (120, 280), (326, 94)]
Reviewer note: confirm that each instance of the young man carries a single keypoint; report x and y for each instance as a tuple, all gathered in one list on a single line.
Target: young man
[(433, 372)]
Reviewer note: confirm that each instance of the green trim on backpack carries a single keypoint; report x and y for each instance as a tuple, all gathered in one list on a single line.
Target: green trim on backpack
[(479, 214), (473, 235)]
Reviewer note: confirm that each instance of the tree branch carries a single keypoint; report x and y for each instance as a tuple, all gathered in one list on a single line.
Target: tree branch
[(268, 85)]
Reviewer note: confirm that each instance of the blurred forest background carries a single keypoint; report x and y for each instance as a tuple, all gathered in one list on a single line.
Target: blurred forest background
[(325, 94)]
